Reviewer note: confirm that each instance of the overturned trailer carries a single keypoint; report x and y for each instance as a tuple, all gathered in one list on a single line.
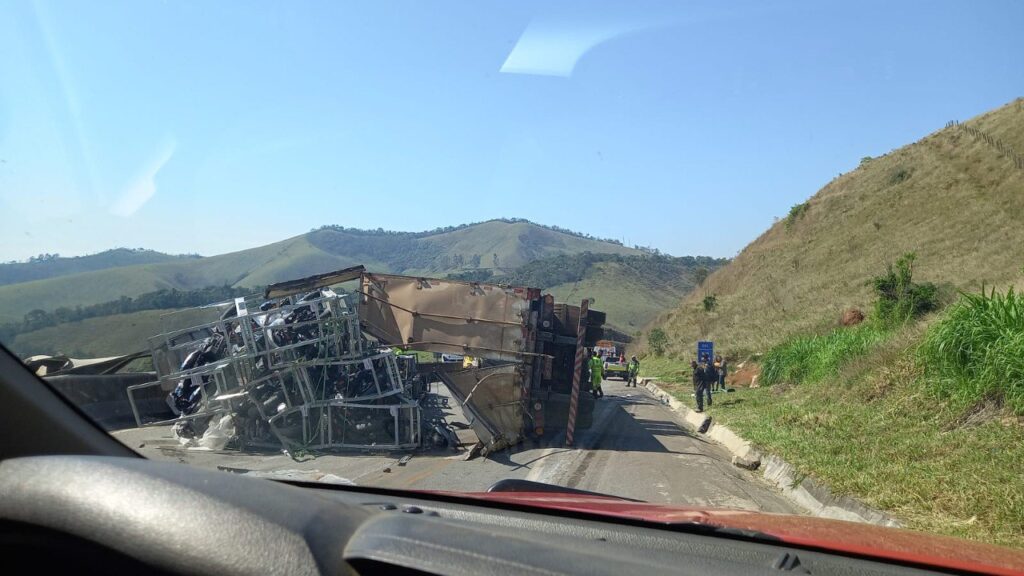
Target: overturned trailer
[(528, 342), (304, 366)]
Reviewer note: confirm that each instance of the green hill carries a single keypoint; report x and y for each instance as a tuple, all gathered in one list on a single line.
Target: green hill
[(105, 336), (439, 252), (922, 418), (951, 197), (631, 290), (53, 265)]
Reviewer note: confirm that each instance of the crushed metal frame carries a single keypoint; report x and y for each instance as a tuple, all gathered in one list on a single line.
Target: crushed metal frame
[(276, 356)]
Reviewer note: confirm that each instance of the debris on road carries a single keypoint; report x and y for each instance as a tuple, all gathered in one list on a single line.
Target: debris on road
[(751, 461), (474, 451), (292, 372), (705, 425), (302, 367), (291, 475)]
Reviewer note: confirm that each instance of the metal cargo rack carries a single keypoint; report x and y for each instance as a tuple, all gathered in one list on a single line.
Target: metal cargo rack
[(340, 424), (330, 329), (218, 385), (293, 371)]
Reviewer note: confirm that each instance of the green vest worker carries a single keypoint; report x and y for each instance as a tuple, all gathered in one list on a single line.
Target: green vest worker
[(596, 366), (633, 370)]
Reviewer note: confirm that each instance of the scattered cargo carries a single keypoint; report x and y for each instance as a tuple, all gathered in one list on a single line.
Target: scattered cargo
[(293, 372), (308, 365)]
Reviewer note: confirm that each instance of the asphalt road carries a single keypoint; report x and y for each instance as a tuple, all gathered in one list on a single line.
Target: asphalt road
[(635, 448)]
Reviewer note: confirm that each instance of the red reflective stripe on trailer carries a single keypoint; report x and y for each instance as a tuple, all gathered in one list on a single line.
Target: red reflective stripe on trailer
[(577, 373)]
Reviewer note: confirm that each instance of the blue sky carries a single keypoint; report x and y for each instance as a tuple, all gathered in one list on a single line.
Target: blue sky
[(687, 126)]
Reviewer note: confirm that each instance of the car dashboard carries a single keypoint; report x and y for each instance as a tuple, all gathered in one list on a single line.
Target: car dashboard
[(126, 515)]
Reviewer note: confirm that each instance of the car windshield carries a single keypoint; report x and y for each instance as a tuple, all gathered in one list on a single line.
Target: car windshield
[(418, 245)]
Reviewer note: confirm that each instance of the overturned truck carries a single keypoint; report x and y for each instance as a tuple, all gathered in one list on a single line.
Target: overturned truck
[(309, 365), (527, 341)]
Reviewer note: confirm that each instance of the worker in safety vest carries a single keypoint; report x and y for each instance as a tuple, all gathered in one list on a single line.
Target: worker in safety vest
[(632, 371), (596, 366)]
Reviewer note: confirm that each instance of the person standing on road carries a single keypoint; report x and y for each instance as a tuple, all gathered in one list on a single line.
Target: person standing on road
[(711, 374), (596, 375), (632, 371), (698, 383), (708, 376)]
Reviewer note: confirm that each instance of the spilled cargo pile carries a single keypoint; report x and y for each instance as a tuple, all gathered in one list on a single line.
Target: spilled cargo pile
[(293, 372)]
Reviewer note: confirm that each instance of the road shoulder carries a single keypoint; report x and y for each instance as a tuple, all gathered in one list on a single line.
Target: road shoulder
[(807, 493)]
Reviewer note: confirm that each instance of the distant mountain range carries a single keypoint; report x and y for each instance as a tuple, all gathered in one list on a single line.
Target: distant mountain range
[(52, 265), (498, 244)]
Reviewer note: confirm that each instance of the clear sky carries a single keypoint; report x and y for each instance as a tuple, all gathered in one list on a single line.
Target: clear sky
[(687, 126)]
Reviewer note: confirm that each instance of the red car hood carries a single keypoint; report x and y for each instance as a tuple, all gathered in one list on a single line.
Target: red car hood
[(831, 535)]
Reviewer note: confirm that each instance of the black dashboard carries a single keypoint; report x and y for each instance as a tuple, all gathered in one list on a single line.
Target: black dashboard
[(128, 515)]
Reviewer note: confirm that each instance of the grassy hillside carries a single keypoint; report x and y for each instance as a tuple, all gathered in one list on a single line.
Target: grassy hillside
[(632, 290), (53, 265), (629, 302), (950, 197), (924, 419), (515, 244), (105, 336), (873, 432), (105, 285), (435, 253)]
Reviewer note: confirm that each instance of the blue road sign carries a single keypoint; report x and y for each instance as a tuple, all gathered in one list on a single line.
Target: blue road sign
[(706, 347)]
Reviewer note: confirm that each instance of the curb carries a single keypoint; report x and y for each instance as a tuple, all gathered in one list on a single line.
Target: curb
[(807, 493)]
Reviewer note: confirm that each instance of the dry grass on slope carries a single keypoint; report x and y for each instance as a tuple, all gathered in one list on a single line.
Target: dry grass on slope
[(949, 197)]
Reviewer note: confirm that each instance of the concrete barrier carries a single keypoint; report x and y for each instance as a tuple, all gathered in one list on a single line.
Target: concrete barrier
[(813, 496)]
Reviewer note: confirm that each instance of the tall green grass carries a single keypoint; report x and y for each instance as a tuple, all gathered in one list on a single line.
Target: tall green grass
[(812, 358), (977, 351)]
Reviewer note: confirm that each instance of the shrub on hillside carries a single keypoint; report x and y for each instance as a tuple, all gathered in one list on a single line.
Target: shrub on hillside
[(795, 213), (657, 340), (898, 297), (710, 302), (977, 351), (898, 175)]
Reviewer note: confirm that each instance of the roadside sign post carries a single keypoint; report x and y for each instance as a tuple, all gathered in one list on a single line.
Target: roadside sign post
[(706, 347), (574, 399)]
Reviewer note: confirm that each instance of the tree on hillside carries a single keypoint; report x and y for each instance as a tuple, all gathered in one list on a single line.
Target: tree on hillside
[(37, 318), (657, 340), (700, 275)]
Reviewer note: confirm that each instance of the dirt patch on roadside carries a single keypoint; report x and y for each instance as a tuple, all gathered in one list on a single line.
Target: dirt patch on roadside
[(743, 375), (852, 317)]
